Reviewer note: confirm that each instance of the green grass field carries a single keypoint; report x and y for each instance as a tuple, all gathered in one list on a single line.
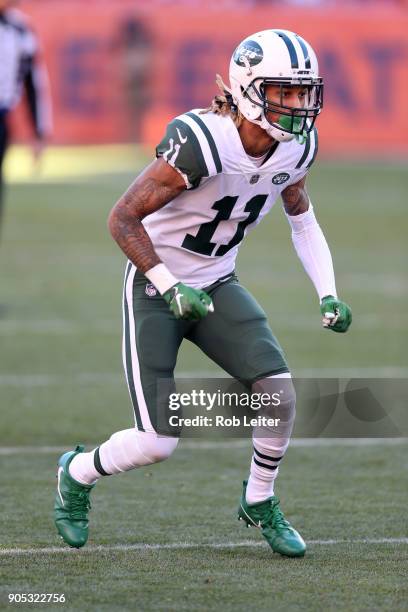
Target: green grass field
[(166, 538)]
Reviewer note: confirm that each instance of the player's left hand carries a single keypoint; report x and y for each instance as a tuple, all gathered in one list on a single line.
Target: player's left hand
[(336, 314)]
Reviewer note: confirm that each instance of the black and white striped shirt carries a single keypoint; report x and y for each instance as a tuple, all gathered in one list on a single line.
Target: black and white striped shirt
[(20, 68)]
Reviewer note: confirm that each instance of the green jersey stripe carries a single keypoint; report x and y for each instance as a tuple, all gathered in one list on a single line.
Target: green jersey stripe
[(181, 149), (305, 153), (199, 159), (210, 140), (315, 149)]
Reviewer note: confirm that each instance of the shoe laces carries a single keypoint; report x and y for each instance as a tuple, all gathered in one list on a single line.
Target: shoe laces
[(274, 517), (79, 504)]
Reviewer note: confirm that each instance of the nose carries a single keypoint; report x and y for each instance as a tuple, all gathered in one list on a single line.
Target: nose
[(295, 99)]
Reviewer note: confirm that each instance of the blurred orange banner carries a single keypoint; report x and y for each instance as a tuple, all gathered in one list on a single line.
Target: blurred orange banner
[(119, 71)]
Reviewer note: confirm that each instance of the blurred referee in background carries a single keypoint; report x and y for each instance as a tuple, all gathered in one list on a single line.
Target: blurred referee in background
[(20, 68)]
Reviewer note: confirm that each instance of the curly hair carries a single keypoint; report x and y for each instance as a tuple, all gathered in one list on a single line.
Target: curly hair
[(224, 104)]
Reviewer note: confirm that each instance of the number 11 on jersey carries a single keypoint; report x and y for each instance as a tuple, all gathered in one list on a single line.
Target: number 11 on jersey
[(201, 243)]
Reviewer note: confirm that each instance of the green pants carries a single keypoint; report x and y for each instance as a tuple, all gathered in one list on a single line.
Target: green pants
[(236, 337)]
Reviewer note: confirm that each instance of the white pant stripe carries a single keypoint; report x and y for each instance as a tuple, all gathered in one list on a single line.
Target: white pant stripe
[(143, 411)]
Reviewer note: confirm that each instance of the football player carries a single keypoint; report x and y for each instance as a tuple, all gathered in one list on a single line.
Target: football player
[(217, 173), (21, 68)]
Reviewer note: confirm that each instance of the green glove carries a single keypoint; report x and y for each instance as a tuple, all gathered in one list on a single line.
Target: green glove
[(188, 303), (336, 314)]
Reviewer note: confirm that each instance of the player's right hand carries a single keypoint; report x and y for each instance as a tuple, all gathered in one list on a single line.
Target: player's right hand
[(188, 303)]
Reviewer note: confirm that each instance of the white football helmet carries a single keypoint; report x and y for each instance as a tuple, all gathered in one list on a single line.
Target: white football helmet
[(282, 58)]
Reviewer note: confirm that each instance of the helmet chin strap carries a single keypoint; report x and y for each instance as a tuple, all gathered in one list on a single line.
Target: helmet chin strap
[(272, 131), (275, 132), (281, 135)]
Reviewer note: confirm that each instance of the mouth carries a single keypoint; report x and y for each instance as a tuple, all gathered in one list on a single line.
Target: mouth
[(293, 124)]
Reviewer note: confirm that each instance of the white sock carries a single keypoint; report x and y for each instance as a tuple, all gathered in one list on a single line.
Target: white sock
[(270, 443), (125, 450), (82, 468), (267, 452)]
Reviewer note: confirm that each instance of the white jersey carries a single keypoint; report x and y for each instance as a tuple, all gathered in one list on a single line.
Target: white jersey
[(17, 42), (20, 65), (197, 235)]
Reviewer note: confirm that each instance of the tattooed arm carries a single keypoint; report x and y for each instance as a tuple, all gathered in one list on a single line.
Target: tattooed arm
[(295, 198), (153, 188), (158, 184)]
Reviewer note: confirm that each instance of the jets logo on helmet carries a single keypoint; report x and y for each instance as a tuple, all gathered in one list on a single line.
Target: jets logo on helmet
[(249, 50), (283, 59)]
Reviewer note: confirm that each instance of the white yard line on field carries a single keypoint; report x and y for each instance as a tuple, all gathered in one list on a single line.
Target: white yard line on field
[(186, 545), (209, 445), (64, 327), (383, 371), (85, 378), (48, 380)]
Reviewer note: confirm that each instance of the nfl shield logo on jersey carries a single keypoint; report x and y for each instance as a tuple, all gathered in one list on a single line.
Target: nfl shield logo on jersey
[(280, 178), (254, 179), (150, 290)]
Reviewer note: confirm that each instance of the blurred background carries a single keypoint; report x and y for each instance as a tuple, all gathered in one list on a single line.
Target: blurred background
[(118, 71)]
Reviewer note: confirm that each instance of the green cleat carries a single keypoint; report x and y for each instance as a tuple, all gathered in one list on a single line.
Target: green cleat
[(71, 503), (277, 531)]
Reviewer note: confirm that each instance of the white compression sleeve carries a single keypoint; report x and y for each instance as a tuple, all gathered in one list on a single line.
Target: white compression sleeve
[(313, 251)]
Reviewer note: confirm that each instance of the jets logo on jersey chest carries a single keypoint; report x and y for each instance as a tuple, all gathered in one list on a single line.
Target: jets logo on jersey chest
[(280, 178)]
